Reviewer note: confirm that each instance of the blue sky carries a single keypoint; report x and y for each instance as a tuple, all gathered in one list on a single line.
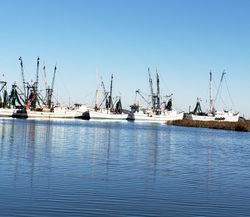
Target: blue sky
[(87, 39)]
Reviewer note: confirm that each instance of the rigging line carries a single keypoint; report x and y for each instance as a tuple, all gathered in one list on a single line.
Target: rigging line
[(218, 97), (62, 84), (144, 93), (95, 98), (221, 98), (223, 102), (206, 105), (135, 99), (230, 97), (45, 75), (176, 106), (139, 95), (163, 81), (217, 92), (56, 100), (220, 84)]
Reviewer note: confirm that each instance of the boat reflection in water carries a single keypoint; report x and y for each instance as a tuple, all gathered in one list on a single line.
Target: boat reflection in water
[(57, 167)]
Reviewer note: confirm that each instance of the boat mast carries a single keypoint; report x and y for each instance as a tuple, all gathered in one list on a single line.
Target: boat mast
[(110, 94), (210, 93), (104, 89), (3, 101), (36, 82), (151, 88), (37, 75), (51, 89), (24, 83), (45, 81), (158, 90), (53, 81), (222, 76), (105, 94), (45, 76), (96, 96), (3, 83)]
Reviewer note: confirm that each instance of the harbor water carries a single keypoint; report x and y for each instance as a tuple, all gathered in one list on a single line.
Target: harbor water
[(88, 168)]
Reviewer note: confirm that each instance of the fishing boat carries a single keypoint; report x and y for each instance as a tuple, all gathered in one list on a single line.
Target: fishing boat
[(8, 103), (109, 108), (148, 116), (4, 110), (212, 114), (56, 112), (37, 106), (156, 111)]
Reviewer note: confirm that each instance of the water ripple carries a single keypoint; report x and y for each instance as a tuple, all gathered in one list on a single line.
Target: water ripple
[(82, 168)]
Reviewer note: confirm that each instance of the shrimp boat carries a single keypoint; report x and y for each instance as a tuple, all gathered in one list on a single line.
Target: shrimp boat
[(213, 114), (56, 112), (109, 109), (37, 106), (156, 111), (4, 110), (8, 103)]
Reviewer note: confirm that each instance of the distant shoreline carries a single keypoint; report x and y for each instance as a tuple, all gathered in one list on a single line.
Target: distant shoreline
[(242, 125)]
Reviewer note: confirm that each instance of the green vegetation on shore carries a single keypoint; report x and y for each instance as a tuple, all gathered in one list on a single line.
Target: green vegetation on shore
[(242, 125)]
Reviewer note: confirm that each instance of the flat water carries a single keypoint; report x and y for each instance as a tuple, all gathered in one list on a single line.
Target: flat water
[(87, 168)]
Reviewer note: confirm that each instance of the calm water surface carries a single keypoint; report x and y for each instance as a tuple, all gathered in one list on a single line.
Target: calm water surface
[(85, 168)]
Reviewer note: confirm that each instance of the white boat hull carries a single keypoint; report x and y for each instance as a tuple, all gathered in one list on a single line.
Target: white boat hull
[(6, 112), (163, 118), (106, 115), (59, 112), (220, 116)]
